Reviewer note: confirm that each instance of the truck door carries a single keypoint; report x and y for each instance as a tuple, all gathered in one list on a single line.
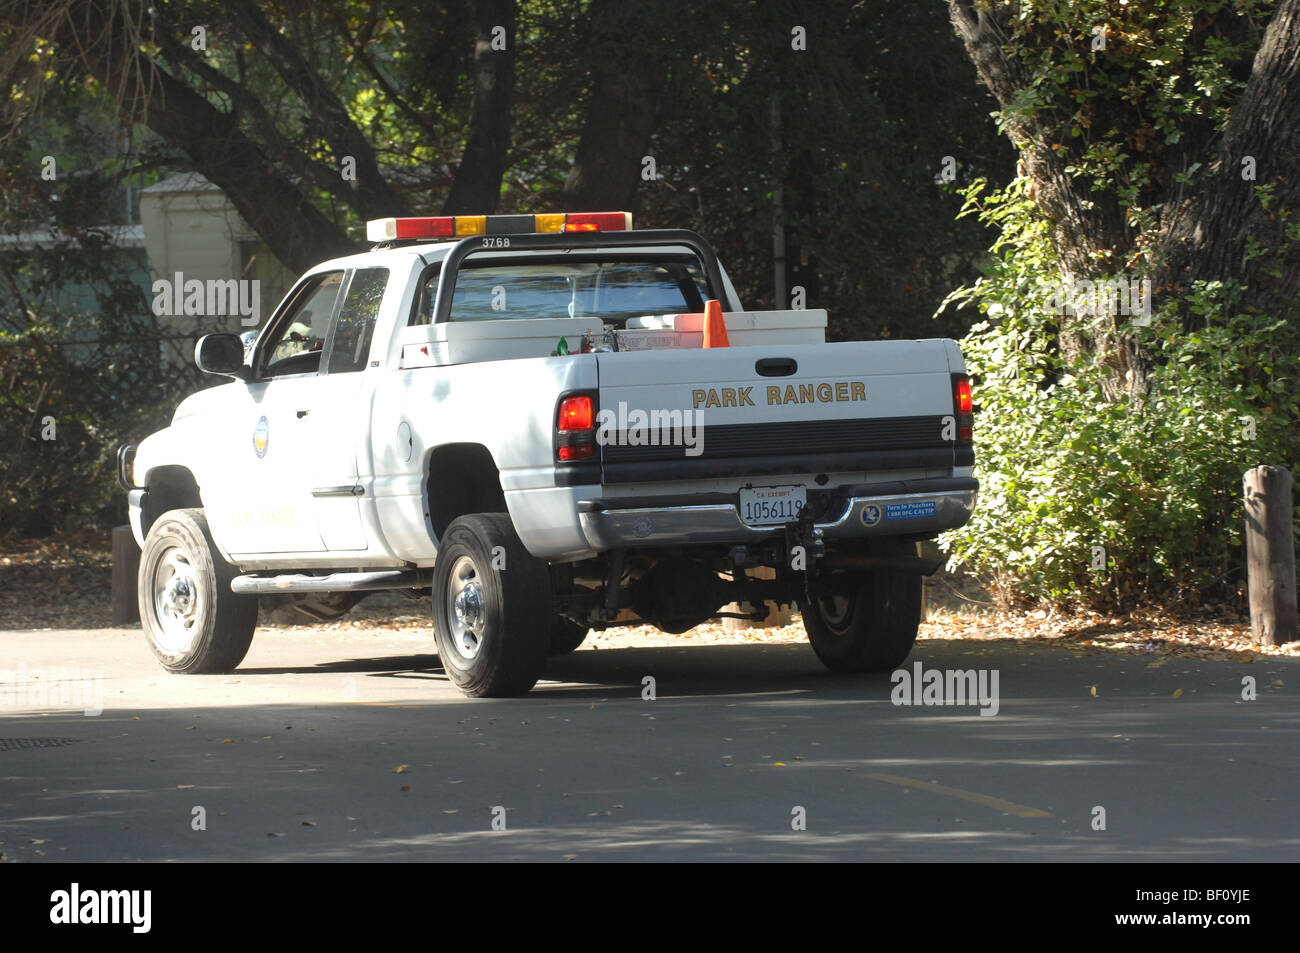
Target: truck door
[(264, 499), (335, 414)]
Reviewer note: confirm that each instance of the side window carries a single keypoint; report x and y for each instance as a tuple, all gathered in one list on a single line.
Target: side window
[(295, 348), (356, 324), (423, 312)]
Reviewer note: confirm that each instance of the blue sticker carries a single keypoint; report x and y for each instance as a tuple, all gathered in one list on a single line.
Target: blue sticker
[(260, 437), (871, 514), (909, 511)]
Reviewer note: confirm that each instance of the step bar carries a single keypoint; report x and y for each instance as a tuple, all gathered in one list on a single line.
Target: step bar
[(376, 580)]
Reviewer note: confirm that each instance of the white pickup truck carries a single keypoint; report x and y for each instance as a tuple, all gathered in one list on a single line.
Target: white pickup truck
[(552, 423)]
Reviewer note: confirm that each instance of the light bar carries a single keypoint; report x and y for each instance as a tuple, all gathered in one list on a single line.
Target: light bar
[(460, 226)]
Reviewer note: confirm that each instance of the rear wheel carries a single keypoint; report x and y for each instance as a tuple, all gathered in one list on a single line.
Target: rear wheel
[(870, 625), (193, 622), (491, 607)]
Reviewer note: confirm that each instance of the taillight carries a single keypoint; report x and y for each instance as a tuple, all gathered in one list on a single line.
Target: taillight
[(964, 404), (575, 428), (576, 413)]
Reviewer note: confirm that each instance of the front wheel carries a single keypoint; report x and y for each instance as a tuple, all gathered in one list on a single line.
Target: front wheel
[(491, 607), (870, 625), (194, 624)]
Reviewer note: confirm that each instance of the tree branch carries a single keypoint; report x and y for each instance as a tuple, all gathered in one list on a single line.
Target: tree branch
[(375, 198), (358, 46), (296, 232), (181, 54)]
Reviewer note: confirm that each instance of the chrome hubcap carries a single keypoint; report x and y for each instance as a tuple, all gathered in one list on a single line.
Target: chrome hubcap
[(466, 615), (176, 600)]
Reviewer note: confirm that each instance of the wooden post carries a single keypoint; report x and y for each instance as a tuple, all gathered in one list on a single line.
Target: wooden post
[(126, 565), (1270, 556)]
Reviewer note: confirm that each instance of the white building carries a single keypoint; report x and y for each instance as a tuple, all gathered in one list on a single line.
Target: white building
[(192, 230)]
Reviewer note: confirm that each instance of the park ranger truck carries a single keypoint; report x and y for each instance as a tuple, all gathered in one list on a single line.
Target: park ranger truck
[(549, 423)]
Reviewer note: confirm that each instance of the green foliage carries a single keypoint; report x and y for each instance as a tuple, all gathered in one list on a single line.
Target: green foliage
[(853, 130), (80, 354), (1167, 77), (1155, 480)]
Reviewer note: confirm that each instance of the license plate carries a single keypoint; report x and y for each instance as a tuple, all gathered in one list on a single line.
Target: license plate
[(765, 505)]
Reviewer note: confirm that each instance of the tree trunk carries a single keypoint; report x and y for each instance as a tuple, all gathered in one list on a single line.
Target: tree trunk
[(1086, 229), (1204, 227), (477, 186), (624, 107), (1207, 236)]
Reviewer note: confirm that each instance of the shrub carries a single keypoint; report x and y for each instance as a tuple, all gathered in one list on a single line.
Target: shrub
[(1087, 499)]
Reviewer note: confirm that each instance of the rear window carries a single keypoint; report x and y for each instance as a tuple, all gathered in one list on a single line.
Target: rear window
[(614, 291)]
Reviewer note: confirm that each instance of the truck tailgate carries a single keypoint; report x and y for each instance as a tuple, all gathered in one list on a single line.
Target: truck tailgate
[(862, 405)]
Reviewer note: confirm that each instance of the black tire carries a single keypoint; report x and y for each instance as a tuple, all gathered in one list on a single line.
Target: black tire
[(566, 636), (872, 627), (497, 644), (192, 621)]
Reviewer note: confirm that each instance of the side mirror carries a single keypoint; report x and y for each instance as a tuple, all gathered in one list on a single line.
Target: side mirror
[(221, 354)]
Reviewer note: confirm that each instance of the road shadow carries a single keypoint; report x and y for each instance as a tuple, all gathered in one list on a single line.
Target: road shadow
[(695, 669), (395, 665), (737, 734)]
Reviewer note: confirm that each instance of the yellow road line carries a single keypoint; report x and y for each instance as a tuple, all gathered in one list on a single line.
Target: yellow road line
[(997, 803)]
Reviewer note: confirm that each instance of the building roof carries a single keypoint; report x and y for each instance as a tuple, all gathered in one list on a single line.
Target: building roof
[(120, 236), (182, 182)]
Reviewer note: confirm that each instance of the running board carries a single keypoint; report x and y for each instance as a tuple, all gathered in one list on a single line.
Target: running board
[(334, 582)]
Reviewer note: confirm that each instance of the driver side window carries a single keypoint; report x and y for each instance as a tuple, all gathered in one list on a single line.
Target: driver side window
[(296, 347)]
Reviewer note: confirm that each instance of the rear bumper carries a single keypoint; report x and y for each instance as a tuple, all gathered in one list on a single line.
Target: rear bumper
[(923, 508)]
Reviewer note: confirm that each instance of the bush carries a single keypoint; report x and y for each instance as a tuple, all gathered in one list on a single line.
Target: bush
[(63, 414), (82, 369), (1091, 500)]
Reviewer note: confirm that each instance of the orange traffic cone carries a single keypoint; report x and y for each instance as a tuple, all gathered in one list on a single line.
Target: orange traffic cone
[(715, 329)]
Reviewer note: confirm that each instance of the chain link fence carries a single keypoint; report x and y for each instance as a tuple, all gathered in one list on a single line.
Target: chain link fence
[(66, 401)]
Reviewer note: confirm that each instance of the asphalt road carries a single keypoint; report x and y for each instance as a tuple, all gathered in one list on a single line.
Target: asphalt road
[(296, 757)]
